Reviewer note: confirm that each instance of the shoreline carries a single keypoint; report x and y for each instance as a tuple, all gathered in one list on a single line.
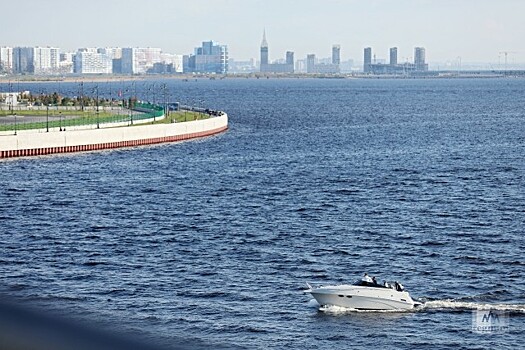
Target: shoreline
[(257, 75)]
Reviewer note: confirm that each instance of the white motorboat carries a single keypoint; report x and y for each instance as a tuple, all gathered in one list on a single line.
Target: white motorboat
[(364, 296)]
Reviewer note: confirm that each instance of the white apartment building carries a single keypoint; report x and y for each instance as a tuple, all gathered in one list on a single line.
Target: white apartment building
[(46, 60), (35, 60), (105, 60), (137, 60), (89, 61), (6, 59)]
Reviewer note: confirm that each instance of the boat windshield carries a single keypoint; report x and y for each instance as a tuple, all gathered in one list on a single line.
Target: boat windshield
[(369, 284)]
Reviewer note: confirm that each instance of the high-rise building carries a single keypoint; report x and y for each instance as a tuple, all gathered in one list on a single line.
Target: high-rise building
[(367, 60), (290, 57), (336, 54), (310, 63), (186, 63), (214, 58), (127, 64), (393, 56), (89, 61), (6, 59), (264, 50), (36, 60), (209, 58), (46, 60), (23, 60), (419, 59), (137, 60), (379, 66)]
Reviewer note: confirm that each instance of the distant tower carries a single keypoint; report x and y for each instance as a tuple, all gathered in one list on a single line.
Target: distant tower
[(367, 66), (336, 54), (419, 59), (290, 61), (310, 63), (289, 57), (393, 56), (264, 51)]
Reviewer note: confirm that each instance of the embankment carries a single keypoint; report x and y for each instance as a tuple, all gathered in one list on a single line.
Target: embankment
[(42, 143)]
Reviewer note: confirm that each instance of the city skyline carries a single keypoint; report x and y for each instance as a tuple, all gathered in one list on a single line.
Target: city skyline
[(442, 26)]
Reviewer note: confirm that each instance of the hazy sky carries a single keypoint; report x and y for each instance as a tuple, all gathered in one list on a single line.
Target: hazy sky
[(476, 30)]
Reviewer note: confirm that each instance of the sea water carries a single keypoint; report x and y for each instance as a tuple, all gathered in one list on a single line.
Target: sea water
[(211, 241)]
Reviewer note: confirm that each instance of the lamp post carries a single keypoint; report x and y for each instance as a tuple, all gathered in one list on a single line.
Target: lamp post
[(98, 123), (82, 96), (47, 119), (60, 117), (10, 97), (130, 112), (15, 123), (166, 112), (133, 88)]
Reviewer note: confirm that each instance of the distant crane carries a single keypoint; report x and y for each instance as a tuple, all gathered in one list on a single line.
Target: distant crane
[(506, 53)]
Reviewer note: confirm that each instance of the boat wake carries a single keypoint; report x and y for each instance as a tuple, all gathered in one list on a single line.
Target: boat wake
[(445, 305), (458, 305)]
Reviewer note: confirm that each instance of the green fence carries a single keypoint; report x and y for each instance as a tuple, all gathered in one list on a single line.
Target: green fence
[(91, 118)]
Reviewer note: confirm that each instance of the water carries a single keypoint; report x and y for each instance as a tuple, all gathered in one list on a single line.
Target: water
[(420, 181)]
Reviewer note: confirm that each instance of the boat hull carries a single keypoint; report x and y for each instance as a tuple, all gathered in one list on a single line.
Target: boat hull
[(363, 298)]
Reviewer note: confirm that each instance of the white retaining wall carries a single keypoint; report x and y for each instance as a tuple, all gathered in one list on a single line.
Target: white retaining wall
[(119, 135)]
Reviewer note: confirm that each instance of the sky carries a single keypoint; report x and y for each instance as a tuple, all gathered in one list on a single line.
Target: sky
[(475, 30)]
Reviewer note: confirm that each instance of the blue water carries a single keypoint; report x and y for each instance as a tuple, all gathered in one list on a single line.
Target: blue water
[(212, 241)]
